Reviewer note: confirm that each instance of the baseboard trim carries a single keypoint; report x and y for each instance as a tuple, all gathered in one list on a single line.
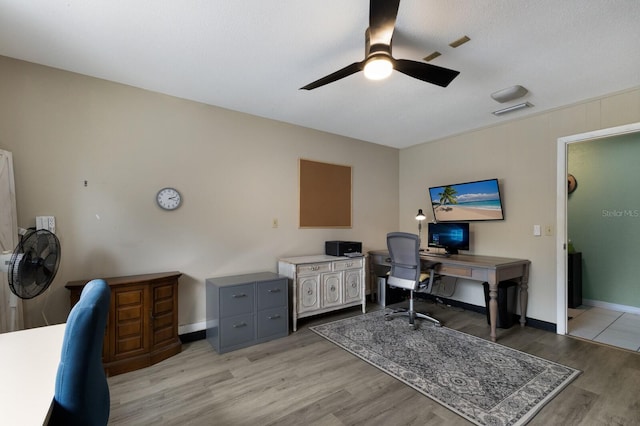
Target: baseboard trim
[(190, 328), (530, 322), (611, 306), (192, 332), (193, 336), (197, 331)]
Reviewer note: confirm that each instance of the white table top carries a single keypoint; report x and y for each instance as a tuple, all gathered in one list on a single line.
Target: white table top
[(29, 363)]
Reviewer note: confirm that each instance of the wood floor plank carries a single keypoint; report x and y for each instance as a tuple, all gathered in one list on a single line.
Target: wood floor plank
[(303, 379)]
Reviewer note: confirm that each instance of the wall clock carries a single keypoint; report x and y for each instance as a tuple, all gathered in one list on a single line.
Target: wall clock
[(168, 198), (572, 183)]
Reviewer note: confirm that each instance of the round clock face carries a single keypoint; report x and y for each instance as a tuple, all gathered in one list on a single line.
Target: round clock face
[(572, 182), (168, 198)]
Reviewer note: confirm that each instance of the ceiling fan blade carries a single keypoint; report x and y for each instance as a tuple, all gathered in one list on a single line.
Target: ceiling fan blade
[(382, 20), (425, 72), (342, 73)]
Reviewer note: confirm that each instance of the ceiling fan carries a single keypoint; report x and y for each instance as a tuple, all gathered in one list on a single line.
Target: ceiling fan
[(379, 62)]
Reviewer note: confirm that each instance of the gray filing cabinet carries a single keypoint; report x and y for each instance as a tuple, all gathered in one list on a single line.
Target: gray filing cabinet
[(243, 310)]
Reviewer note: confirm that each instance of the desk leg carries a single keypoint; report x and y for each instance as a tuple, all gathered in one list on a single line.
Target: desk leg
[(364, 290), (524, 295), (493, 308)]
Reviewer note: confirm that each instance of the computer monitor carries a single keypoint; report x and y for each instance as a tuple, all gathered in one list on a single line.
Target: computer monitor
[(451, 236)]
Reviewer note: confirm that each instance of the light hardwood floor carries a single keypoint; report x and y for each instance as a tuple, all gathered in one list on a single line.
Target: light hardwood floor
[(303, 379)]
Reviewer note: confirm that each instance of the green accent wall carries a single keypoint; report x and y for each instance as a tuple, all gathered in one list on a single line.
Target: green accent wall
[(603, 217)]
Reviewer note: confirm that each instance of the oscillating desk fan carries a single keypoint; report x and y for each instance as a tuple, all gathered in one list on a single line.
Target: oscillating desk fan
[(33, 264)]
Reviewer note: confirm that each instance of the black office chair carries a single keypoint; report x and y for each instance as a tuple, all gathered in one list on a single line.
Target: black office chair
[(406, 273)]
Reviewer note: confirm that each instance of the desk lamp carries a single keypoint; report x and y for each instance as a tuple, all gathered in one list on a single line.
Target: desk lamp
[(420, 217)]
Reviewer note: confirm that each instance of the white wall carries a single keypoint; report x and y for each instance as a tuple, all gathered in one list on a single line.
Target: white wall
[(521, 153), (236, 173)]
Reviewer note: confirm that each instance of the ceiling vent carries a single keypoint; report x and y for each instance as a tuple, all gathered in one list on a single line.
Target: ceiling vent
[(459, 42), (512, 108), (432, 56)]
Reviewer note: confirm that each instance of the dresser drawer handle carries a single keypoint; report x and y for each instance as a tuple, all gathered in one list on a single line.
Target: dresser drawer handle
[(242, 324), (274, 317), (274, 290), (314, 268), (309, 292), (333, 288), (237, 296), (349, 265)]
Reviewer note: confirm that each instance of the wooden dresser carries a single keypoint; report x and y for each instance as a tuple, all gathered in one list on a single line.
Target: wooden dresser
[(142, 328)]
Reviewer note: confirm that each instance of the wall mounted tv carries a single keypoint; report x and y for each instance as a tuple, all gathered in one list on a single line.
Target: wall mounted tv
[(469, 201)]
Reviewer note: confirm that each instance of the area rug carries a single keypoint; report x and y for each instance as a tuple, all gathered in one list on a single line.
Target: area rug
[(484, 382)]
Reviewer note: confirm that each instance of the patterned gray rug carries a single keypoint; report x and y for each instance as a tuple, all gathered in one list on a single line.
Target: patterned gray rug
[(484, 382)]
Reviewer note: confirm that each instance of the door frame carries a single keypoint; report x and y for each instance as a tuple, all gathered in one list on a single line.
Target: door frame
[(561, 212)]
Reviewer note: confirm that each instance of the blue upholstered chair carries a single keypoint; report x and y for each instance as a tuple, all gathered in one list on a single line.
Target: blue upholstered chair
[(82, 392)]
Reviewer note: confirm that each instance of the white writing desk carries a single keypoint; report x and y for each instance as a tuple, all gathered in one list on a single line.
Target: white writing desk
[(477, 268), (29, 363)]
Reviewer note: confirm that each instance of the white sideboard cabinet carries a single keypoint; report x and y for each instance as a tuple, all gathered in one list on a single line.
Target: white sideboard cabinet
[(322, 283)]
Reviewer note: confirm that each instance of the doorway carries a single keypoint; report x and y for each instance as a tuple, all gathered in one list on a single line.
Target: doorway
[(605, 315)]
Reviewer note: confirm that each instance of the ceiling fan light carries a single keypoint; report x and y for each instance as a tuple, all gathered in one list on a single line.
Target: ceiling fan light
[(378, 68)]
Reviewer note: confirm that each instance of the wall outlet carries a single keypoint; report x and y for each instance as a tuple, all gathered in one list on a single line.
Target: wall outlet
[(274, 223), (537, 230), (46, 222), (548, 230)]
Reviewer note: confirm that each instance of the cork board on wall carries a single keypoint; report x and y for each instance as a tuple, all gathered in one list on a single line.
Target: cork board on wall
[(325, 195)]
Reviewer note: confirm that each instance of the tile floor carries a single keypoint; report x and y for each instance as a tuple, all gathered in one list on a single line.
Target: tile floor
[(621, 329)]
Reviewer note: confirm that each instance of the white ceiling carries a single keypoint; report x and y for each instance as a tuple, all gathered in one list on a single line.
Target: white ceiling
[(254, 55)]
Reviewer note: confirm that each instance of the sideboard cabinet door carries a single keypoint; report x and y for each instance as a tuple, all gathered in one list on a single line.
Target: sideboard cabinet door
[(142, 327)]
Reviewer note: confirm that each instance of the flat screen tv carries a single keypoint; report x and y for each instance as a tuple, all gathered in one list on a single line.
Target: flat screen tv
[(469, 201), (450, 236)]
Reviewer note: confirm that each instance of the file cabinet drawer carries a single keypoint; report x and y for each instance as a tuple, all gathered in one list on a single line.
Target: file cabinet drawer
[(272, 294), (236, 330), (236, 300), (272, 322)]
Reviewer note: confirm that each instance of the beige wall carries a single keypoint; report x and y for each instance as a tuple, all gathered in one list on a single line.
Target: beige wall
[(522, 155), (236, 173)]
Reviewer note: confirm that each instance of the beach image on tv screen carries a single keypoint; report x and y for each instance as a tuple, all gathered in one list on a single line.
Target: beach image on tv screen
[(467, 201)]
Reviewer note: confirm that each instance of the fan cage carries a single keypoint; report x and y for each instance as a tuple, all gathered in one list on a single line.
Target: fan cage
[(34, 264)]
